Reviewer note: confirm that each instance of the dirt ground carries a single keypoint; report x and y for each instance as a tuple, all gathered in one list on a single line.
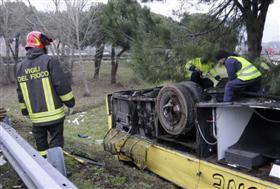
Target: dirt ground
[(89, 118)]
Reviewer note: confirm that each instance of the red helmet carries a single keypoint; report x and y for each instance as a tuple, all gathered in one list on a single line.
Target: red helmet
[(37, 39)]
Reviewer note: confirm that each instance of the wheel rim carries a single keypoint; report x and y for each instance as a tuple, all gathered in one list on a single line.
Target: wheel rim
[(172, 111), (175, 109)]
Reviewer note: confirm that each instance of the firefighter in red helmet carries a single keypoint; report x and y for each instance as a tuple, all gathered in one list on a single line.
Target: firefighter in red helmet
[(36, 39), (42, 90)]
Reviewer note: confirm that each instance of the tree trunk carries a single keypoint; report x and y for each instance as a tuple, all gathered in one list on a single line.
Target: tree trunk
[(16, 52), (97, 59), (77, 30), (71, 64), (87, 92), (8, 61), (71, 60), (11, 74), (254, 44), (114, 66), (3, 76), (255, 34), (255, 21)]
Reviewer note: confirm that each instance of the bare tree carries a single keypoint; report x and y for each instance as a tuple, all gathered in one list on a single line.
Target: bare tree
[(5, 35), (12, 23), (56, 4), (77, 16), (65, 27), (43, 27)]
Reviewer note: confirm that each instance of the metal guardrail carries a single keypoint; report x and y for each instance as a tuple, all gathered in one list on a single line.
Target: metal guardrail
[(35, 171)]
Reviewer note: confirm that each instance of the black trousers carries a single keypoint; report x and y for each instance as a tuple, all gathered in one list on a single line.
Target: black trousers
[(48, 136), (203, 82)]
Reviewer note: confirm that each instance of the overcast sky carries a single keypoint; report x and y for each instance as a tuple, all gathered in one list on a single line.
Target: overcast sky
[(272, 25)]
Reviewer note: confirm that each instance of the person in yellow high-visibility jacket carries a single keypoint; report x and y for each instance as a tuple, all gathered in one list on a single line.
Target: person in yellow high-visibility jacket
[(199, 70), (43, 89), (242, 75)]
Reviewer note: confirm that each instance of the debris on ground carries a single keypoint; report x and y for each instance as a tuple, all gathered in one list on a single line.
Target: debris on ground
[(82, 135)]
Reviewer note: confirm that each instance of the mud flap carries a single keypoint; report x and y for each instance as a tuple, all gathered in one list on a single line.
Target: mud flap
[(127, 147), (56, 159)]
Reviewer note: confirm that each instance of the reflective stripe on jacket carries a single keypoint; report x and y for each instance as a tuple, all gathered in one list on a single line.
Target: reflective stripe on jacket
[(206, 68), (248, 71), (43, 88)]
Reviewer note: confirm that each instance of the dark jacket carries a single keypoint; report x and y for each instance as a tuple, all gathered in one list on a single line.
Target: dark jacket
[(43, 88), (232, 67)]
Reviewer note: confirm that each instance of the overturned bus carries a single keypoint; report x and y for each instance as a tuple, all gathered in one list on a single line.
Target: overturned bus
[(191, 138)]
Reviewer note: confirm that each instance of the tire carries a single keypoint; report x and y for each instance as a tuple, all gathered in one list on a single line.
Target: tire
[(175, 108), (196, 90)]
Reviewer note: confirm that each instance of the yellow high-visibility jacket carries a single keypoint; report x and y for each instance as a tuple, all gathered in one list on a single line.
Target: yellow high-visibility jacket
[(248, 71), (206, 68)]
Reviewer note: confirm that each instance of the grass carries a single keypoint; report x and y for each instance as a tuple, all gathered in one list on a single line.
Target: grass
[(89, 119), (91, 123)]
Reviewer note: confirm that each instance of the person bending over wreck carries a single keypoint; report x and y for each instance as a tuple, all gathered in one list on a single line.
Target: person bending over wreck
[(242, 74), (200, 70)]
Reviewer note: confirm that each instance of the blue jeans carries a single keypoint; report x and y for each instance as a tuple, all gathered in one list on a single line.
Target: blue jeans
[(235, 85)]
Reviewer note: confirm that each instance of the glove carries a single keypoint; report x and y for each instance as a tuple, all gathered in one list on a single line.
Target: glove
[(70, 111), (218, 78), (24, 112), (192, 68)]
